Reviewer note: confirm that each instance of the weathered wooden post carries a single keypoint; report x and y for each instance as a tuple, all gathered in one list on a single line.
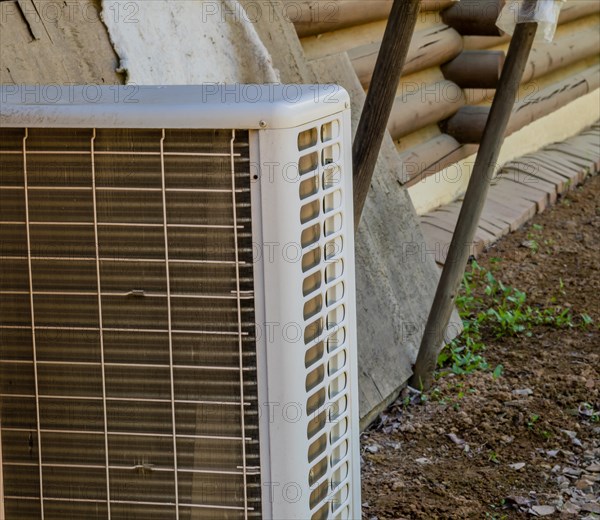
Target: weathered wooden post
[(380, 98), (474, 200)]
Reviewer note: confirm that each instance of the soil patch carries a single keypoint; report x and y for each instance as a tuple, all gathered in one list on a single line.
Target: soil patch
[(526, 443)]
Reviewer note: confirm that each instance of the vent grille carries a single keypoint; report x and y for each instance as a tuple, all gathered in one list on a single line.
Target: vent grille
[(325, 338), (127, 339)]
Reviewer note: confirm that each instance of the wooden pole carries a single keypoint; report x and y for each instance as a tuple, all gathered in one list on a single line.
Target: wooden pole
[(380, 98), (458, 254)]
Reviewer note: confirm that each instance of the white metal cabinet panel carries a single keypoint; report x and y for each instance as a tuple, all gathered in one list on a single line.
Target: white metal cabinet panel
[(178, 371)]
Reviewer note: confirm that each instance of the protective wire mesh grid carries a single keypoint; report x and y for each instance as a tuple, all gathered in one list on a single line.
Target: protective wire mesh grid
[(127, 337)]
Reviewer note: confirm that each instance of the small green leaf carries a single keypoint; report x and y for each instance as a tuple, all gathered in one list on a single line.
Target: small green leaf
[(498, 371)]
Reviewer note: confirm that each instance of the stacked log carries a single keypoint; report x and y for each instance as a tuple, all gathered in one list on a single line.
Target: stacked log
[(430, 157), (312, 17), (475, 69), (572, 10), (474, 17), (429, 48), (467, 125), (417, 106), (573, 42), (453, 66), (576, 44), (425, 96), (565, 50)]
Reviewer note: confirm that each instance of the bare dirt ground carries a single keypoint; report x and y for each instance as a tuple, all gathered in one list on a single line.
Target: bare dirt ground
[(526, 443)]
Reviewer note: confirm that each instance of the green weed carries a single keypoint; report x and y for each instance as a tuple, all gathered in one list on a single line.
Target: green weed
[(533, 419), (493, 457), (535, 425), (488, 308)]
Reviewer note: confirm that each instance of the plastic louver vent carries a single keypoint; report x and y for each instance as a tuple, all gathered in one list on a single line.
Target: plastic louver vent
[(327, 358), (129, 254)]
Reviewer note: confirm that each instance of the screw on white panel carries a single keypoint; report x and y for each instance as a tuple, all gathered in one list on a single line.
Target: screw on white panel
[(347, 105), (262, 123)]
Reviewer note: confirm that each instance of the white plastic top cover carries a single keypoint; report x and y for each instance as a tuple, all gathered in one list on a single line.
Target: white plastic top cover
[(239, 106)]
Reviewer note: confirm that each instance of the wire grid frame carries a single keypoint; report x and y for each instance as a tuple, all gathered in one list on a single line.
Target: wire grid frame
[(194, 339)]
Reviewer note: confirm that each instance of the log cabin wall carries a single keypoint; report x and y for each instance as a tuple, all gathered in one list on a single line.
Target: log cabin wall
[(448, 83)]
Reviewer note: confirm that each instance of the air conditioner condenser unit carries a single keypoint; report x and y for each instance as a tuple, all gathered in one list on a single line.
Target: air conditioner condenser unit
[(177, 309)]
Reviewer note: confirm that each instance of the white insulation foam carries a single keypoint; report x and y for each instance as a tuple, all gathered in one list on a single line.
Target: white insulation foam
[(186, 42)]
